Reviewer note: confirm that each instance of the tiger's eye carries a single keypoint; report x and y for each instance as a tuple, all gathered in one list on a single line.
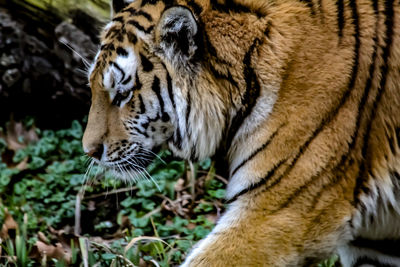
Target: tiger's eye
[(119, 97)]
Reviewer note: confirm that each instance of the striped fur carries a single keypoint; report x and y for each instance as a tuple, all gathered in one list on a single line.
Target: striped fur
[(301, 97)]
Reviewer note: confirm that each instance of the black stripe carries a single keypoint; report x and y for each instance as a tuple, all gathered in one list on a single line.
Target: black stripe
[(384, 246), (369, 261), (140, 27), (258, 150), (146, 64), (212, 51), (118, 19), (223, 76), (135, 12), (398, 136), (118, 5), (310, 5), (112, 32), (252, 93), (382, 87), (138, 84), (197, 9), (390, 139), (117, 100), (156, 89), (396, 175), (132, 37), (150, 2), (142, 106), (258, 184), (232, 6), (355, 22), (120, 37), (144, 14), (127, 80), (170, 93), (177, 139), (112, 63), (325, 121), (130, 10), (321, 11), (122, 52), (141, 132), (188, 111), (108, 47), (340, 17)]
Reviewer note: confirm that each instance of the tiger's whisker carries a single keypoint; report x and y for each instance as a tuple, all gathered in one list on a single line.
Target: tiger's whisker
[(84, 60)]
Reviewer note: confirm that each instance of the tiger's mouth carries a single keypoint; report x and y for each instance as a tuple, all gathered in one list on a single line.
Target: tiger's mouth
[(134, 165)]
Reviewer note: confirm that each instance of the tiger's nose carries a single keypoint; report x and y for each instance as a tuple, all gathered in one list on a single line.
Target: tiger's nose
[(96, 152)]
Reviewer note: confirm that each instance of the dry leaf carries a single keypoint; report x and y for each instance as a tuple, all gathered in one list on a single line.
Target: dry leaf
[(9, 224), (55, 252), (179, 185), (23, 165), (16, 130), (43, 238)]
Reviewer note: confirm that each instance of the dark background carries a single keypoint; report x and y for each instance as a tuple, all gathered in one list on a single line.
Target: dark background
[(39, 75)]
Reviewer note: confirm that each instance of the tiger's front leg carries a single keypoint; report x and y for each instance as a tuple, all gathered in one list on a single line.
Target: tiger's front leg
[(248, 234)]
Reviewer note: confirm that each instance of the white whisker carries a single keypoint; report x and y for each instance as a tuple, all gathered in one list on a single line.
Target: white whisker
[(143, 171), (152, 153), (84, 60)]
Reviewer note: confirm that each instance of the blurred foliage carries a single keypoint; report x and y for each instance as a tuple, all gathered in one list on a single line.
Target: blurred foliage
[(98, 8)]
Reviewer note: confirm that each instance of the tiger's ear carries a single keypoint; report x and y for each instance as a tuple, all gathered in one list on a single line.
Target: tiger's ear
[(176, 36), (118, 5)]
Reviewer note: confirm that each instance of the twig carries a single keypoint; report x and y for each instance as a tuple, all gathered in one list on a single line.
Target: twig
[(116, 191), (77, 226), (151, 213), (219, 177), (192, 180)]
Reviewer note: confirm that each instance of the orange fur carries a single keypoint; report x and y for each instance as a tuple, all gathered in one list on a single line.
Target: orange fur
[(332, 139)]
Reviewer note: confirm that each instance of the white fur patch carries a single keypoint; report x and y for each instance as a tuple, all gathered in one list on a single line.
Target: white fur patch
[(243, 178), (378, 220), (115, 74), (228, 220)]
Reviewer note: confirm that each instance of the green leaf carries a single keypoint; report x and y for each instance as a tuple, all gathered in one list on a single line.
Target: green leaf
[(36, 163), (219, 193), (5, 176), (108, 256), (20, 155), (205, 164)]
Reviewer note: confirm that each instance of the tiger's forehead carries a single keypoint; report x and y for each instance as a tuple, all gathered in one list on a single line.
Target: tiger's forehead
[(122, 39), (137, 20)]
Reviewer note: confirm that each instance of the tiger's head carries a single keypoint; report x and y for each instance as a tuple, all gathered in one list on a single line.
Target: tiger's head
[(144, 82)]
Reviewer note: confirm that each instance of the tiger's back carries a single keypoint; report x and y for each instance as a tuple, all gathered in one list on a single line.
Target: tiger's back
[(303, 97)]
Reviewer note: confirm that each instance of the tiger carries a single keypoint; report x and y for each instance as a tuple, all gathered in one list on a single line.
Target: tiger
[(300, 98)]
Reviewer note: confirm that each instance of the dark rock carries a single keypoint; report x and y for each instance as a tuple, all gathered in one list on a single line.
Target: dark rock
[(8, 60), (11, 76), (42, 73)]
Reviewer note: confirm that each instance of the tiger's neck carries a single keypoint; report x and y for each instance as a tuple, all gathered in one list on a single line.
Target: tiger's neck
[(246, 55)]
